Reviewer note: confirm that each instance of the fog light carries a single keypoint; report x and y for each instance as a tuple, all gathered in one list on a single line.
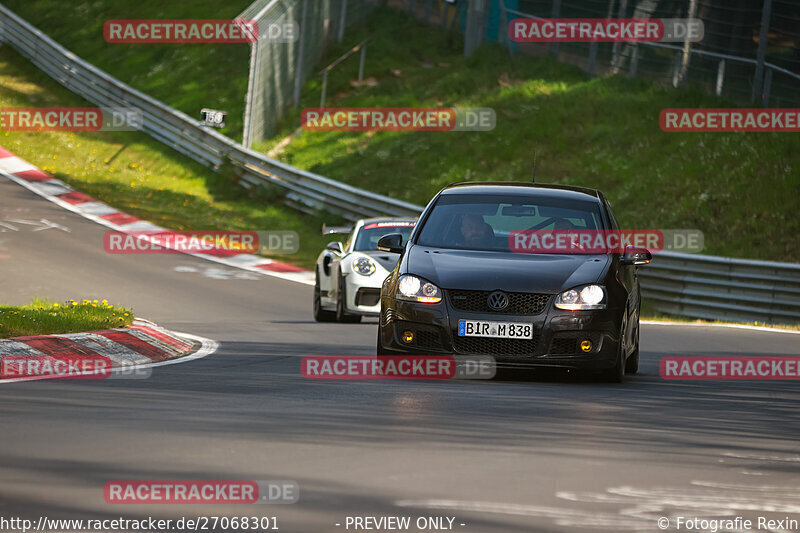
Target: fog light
[(408, 337), (586, 345)]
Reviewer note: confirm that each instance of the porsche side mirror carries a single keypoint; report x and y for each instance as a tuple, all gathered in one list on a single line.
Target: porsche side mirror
[(636, 256), (391, 243), (334, 246)]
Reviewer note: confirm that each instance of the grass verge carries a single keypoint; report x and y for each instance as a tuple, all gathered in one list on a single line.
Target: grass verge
[(740, 189), (45, 318), (140, 176), (188, 77)]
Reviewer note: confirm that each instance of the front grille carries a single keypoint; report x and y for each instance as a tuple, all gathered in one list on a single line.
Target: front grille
[(490, 346), (564, 345), (368, 297), (429, 339), (519, 303)]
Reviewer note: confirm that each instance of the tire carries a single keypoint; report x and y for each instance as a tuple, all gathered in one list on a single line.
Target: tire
[(320, 314), (616, 374), (632, 364), (341, 314)]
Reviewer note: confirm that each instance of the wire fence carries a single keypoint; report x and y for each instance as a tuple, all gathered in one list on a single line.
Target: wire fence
[(750, 51), (280, 66)]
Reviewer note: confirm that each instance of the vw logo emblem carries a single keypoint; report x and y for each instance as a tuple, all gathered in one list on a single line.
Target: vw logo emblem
[(498, 300)]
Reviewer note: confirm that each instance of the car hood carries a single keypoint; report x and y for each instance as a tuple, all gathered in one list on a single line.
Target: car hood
[(486, 271), (385, 259)]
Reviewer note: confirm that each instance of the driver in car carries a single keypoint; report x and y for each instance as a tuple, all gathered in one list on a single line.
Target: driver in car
[(562, 225), (475, 232)]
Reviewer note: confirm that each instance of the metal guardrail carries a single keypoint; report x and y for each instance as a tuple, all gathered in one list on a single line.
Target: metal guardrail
[(698, 286), (721, 288), (177, 130)]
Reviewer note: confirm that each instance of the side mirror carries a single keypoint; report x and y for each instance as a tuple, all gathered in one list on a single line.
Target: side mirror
[(636, 256), (391, 243), (334, 246)]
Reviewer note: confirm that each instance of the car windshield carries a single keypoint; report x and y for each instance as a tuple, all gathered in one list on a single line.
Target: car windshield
[(367, 238), (469, 222)]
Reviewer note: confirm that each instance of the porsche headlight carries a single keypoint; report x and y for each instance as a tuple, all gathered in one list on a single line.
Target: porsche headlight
[(414, 289), (363, 265), (588, 297)]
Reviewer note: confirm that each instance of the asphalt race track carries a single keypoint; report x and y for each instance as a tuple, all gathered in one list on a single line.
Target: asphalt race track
[(536, 453)]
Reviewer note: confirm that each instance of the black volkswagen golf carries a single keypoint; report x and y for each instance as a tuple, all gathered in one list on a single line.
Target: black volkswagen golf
[(463, 285)]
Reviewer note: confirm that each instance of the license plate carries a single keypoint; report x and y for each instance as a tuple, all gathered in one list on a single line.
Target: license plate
[(500, 330)]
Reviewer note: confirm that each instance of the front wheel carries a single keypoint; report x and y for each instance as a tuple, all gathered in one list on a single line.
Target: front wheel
[(320, 314), (616, 374), (632, 364)]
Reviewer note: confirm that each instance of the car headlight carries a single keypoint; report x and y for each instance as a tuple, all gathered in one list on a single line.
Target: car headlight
[(363, 265), (416, 289), (588, 297)]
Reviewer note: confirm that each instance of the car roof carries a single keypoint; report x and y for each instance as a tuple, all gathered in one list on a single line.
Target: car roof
[(522, 189)]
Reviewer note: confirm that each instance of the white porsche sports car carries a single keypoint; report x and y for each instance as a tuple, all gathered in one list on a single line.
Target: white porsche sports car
[(349, 276)]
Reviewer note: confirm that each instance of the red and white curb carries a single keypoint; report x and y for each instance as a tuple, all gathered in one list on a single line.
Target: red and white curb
[(142, 345), (36, 180)]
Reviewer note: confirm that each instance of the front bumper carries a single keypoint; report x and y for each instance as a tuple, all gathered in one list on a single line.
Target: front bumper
[(363, 294), (555, 343)]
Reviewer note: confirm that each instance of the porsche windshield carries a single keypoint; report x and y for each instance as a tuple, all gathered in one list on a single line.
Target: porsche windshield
[(485, 223), (367, 238)]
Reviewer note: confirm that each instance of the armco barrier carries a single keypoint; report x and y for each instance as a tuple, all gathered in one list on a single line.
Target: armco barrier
[(177, 130), (721, 288), (698, 286)]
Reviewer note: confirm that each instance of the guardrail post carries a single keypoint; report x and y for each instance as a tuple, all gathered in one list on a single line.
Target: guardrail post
[(676, 69), (555, 13), (767, 87), (761, 54), (634, 61), (720, 76), (324, 89), (592, 58), (687, 44), (473, 36), (301, 49), (503, 32), (361, 62), (615, 54), (342, 21)]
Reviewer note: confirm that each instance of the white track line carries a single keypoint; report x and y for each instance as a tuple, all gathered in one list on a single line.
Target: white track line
[(297, 277), (734, 326)]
